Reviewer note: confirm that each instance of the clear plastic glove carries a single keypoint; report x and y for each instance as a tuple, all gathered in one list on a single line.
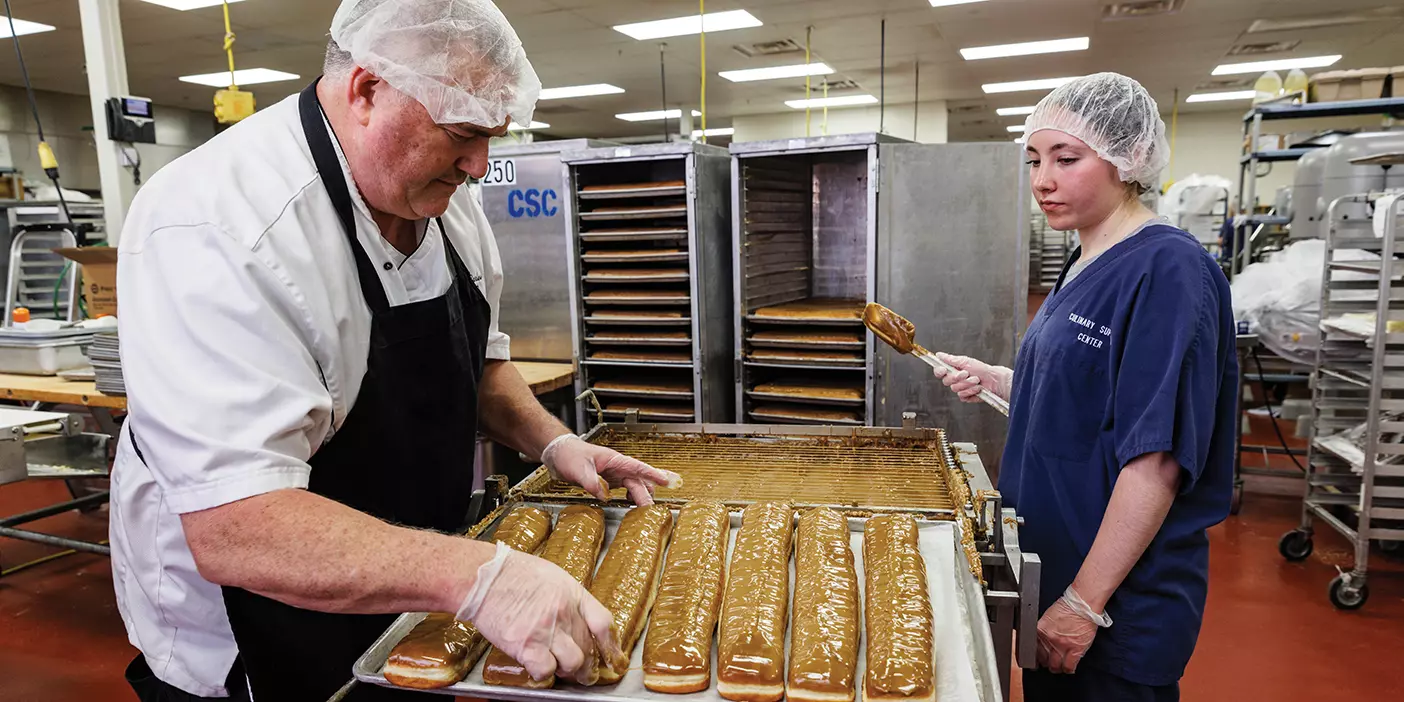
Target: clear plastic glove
[(540, 616), (1066, 631), (596, 469), (970, 375)]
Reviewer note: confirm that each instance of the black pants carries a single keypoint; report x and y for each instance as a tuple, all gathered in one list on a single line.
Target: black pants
[(1092, 685), (150, 688)]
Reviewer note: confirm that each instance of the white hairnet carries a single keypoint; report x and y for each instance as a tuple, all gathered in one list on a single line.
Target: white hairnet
[(1115, 116), (461, 59)]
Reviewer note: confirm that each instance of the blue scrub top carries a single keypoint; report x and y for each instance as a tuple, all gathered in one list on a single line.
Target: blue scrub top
[(1135, 355)]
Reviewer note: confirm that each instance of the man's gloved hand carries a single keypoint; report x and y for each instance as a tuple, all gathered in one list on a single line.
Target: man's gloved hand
[(574, 460), (540, 616), (1066, 631), (970, 375)]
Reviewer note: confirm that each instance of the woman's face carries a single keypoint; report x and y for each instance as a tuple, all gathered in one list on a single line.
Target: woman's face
[(1074, 187)]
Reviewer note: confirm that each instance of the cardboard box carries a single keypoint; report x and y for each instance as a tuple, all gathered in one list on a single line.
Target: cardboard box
[(1358, 84), (99, 267)]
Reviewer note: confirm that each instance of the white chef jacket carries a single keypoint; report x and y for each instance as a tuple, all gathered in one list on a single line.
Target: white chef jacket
[(245, 337)]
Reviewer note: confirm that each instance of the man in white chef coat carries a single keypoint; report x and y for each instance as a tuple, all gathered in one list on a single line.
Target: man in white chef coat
[(309, 327)]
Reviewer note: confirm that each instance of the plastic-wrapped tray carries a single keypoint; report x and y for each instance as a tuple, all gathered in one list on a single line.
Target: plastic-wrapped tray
[(963, 649)]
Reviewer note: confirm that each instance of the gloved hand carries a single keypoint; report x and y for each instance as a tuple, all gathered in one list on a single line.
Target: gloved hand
[(1066, 631), (970, 375), (573, 460), (540, 616)]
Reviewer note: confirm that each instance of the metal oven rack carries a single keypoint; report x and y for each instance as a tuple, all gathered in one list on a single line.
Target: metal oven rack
[(1355, 469), (648, 230), (824, 225)]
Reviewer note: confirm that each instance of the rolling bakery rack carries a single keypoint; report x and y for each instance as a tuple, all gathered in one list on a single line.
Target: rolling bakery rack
[(1355, 463), (983, 587), (648, 228)]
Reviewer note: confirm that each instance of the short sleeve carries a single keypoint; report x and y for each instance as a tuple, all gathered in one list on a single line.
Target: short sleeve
[(1167, 381), (499, 345), (225, 396)]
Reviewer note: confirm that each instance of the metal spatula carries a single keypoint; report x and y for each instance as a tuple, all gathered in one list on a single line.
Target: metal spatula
[(900, 334)]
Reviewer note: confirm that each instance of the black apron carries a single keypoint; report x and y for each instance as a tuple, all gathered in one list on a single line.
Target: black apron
[(404, 454)]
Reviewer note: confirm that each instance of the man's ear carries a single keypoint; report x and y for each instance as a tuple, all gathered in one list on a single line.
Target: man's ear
[(363, 88)]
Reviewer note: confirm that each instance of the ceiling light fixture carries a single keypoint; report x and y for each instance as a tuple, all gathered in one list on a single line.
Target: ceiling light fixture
[(574, 91), (1015, 129), (1227, 95), (945, 3), (845, 101), (1022, 85), (796, 71), (718, 132), (243, 76), (184, 5), (22, 27), (1012, 111), (1229, 69), (693, 24), (654, 115), (1028, 48), (514, 127)]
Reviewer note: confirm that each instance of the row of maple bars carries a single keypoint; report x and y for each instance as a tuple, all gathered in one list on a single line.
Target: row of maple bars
[(692, 595)]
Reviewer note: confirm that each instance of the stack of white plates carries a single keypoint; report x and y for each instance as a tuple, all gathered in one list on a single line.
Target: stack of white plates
[(106, 356)]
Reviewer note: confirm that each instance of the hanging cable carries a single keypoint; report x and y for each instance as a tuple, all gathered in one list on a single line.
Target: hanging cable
[(229, 46), (663, 81), (47, 161), (916, 102), (808, 33), (1174, 123), (826, 107), (882, 80), (1262, 384), (702, 35)]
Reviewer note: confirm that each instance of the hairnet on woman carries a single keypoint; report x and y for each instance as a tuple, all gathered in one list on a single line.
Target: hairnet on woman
[(1121, 431)]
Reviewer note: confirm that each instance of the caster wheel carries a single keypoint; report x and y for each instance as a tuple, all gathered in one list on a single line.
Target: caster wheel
[(1346, 596), (1236, 502), (1390, 547), (1295, 545)]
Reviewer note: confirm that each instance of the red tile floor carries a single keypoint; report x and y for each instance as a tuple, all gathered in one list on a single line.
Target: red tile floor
[(1269, 631)]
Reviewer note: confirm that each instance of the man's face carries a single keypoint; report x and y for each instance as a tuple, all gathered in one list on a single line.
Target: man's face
[(410, 166)]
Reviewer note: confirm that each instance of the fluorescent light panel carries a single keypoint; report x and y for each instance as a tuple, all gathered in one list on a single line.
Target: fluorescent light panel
[(22, 27), (188, 4), (693, 24), (1022, 85), (243, 76), (514, 127), (1230, 69), (796, 71), (845, 101), (1227, 95), (945, 3), (1028, 48), (718, 132), (654, 115), (1012, 111), (574, 91), (1015, 129)]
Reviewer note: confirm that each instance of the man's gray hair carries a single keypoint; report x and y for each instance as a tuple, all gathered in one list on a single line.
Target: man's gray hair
[(338, 61)]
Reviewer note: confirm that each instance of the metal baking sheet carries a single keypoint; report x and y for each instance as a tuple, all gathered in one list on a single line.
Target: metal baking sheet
[(801, 366), (662, 234), (642, 321), (796, 360), (636, 364), (666, 394), (595, 300), (805, 399), (815, 345), (674, 256), (787, 419), (640, 213), (641, 191), (963, 654), (653, 341), (593, 277), (651, 414), (826, 321)]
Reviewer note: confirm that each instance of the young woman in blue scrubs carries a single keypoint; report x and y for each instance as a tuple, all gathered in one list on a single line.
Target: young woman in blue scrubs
[(1121, 433)]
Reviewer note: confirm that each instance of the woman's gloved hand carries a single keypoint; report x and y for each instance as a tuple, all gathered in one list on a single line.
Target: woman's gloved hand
[(1066, 631), (596, 469), (540, 616), (970, 375)]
